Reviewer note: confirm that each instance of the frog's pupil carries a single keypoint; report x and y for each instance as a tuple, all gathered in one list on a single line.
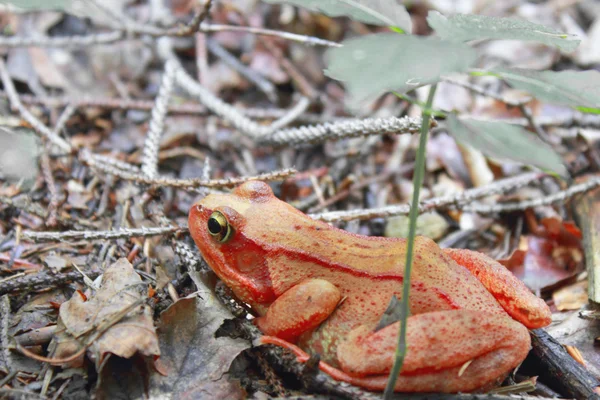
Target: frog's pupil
[(214, 226)]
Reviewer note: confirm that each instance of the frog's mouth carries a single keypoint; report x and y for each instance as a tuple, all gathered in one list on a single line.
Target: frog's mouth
[(239, 262)]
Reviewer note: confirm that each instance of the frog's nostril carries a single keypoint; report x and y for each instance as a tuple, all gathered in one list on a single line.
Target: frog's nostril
[(199, 208)]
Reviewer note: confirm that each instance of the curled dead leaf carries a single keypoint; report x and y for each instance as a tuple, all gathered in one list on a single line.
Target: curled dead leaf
[(113, 320), (551, 254)]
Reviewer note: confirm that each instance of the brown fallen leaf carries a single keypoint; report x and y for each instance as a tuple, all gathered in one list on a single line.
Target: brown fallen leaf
[(571, 297), (194, 363), (113, 320), (551, 254)]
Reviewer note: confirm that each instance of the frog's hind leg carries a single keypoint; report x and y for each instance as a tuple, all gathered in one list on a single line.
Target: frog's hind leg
[(448, 351), (509, 291)]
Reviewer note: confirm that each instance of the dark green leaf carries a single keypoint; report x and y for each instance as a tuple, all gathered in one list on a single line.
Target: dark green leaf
[(374, 64), (461, 28), (570, 88), (506, 141), (376, 12)]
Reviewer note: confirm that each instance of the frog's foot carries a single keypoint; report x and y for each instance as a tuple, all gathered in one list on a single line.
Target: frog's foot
[(509, 291), (448, 351)]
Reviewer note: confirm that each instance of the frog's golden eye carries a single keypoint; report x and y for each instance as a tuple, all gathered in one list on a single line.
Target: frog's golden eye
[(219, 228)]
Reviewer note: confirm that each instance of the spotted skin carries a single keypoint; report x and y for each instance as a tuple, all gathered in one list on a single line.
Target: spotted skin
[(319, 289)]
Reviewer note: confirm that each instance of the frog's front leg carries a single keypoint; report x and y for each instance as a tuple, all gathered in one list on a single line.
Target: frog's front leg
[(301, 308), (509, 291), (448, 351)]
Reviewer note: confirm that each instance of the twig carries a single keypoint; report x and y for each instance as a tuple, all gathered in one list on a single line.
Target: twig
[(6, 361), (43, 279), (306, 134), (147, 105), (82, 41), (121, 233), (184, 183), (520, 104), (533, 124), (341, 130), (292, 114), (488, 93), (212, 102), (501, 186), (64, 117), (304, 85), (63, 41), (560, 369), (27, 206), (557, 197), (194, 25), (35, 123), (262, 83), (157, 122), (308, 40)]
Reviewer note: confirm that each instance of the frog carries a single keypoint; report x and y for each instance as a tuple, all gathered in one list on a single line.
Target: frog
[(315, 289)]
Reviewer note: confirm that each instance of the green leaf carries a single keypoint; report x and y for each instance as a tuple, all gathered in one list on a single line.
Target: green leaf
[(374, 64), (39, 4), (497, 139), (375, 12), (461, 28), (569, 88)]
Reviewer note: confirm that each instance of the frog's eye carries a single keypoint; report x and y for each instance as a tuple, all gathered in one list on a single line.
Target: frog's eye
[(219, 228)]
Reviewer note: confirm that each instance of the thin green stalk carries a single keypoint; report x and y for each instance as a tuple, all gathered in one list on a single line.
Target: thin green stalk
[(414, 213)]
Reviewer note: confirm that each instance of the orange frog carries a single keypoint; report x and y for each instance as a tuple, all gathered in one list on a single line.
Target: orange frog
[(320, 290)]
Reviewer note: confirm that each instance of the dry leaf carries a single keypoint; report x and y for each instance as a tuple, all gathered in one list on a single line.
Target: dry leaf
[(194, 364), (553, 254), (83, 321), (571, 297)]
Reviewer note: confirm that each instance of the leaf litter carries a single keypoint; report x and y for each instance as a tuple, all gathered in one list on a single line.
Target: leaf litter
[(148, 329)]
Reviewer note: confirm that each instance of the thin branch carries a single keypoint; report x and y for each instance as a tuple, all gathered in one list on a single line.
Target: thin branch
[(35, 123), (43, 279), (308, 40), (79, 41), (212, 102), (147, 105), (488, 93), (121, 233), (194, 25), (537, 128), (50, 185), (558, 197), (292, 114), (25, 205), (497, 187), (342, 130), (294, 136), (157, 122), (6, 359), (520, 104), (266, 86), (182, 183)]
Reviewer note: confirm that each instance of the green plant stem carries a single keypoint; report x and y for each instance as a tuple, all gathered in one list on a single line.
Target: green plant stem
[(401, 347)]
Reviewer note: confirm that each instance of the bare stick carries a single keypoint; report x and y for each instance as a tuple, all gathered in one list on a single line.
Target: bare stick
[(501, 186), (554, 198), (266, 86), (342, 130), (42, 279), (309, 40), (121, 233), (182, 183), (35, 123), (292, 114), (157, 122)]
